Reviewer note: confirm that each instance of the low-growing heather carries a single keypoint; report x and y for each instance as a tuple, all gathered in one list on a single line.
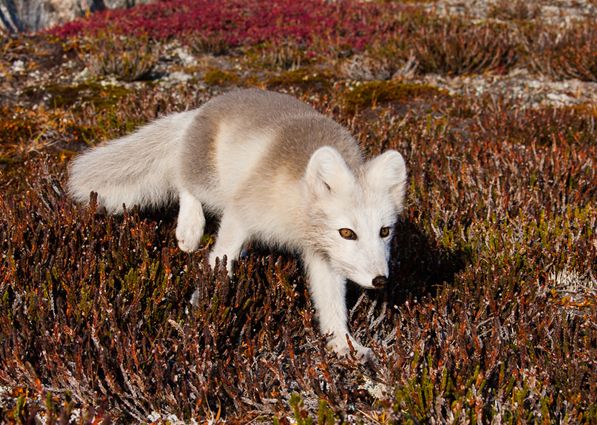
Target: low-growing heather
[(564, 52), (448, 46), (490, 315), (514, 10), (96, 312), (236, 22), (128, 59), (285, 34)]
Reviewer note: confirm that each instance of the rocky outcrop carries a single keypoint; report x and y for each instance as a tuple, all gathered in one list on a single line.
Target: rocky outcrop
[(35, 15)]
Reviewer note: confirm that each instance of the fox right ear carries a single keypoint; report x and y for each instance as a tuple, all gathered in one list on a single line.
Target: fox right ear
[(387, 172), (327, 172)]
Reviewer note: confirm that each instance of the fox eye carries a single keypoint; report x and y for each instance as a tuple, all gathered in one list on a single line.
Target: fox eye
[(384, 232), (348, 234)]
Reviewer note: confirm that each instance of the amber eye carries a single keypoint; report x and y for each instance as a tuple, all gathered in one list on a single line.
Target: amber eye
[(384, 232), (348, 234)]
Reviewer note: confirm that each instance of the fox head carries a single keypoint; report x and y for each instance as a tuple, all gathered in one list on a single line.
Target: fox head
[(352, 213)]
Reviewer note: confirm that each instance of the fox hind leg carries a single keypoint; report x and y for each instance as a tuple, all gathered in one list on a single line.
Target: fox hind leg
[(191, 222), (229, 241)]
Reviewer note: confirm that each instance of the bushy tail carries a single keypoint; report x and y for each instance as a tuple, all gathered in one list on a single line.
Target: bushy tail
[(138, 169)]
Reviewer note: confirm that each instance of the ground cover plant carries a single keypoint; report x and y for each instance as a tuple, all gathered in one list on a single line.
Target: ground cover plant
[(491, 313)]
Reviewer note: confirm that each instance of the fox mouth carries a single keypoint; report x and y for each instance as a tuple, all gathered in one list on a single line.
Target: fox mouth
[(377, 283), (364, 280)]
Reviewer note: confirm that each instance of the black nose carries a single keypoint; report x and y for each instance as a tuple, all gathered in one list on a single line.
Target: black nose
[(379, 281)]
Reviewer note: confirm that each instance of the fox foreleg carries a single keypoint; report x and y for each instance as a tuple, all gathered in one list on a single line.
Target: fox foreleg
[(328, 290), (229, 241), (191, 222)]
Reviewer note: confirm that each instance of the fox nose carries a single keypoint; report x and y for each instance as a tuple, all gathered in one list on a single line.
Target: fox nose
[(379, 281)]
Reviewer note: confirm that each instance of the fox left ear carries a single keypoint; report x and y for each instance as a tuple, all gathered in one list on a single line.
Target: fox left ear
[(388, 172), (328, 173)]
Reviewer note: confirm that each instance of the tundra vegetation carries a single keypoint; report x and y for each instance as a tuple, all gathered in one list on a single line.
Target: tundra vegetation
[(491, 313)]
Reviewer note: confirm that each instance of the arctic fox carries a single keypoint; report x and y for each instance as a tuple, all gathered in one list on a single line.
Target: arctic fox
[(276, 171)]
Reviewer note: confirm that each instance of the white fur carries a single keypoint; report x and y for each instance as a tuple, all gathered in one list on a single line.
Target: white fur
[(258, 195), (191, 222), (234, 173)]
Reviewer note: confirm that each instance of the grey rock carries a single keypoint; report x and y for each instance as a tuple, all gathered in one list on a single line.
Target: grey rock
[(36, 15)]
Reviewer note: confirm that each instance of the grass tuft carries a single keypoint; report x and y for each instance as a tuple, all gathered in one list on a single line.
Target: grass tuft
[(565, 53), (127, 59)]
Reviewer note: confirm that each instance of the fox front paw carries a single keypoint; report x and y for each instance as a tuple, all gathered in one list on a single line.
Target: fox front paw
[(188, 236), (340, 346)]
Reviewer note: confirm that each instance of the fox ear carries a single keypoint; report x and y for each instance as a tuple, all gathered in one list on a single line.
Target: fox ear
[(327, 172), (388, 172)]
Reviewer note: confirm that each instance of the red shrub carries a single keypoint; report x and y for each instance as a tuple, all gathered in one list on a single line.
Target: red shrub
[(239, 22)]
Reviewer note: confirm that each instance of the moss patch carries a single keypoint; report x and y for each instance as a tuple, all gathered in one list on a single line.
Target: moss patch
[(218, 77), (305, 78), (65, 96), (373, 93)]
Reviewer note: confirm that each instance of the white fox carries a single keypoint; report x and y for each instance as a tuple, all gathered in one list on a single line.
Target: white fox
[(276, 171)]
